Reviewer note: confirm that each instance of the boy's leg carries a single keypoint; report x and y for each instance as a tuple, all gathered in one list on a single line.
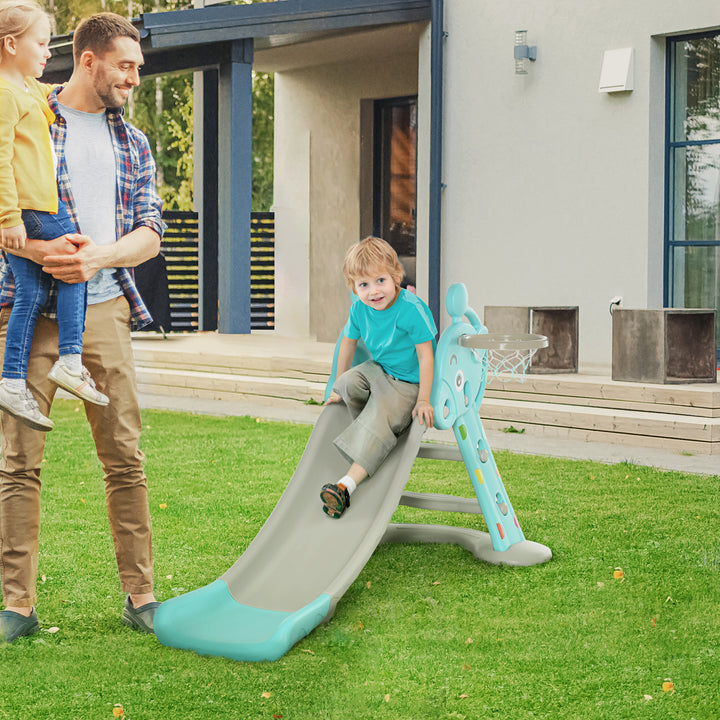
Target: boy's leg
[(387, 412), (22, 451), (116, 430), (353, 386)]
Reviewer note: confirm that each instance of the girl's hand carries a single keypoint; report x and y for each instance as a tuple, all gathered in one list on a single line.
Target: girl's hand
[(334, 397), (425, 412), (13, 238)]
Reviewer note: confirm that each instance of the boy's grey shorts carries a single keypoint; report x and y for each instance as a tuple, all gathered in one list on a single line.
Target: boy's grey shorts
[(381, 408)]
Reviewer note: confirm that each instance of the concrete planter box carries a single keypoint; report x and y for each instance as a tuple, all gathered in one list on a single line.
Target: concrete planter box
[(558, 324), (671, 345)]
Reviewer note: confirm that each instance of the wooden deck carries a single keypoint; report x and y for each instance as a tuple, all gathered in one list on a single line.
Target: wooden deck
[(287, 373)]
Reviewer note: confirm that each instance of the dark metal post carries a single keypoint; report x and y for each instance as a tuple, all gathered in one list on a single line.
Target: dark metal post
[(437, 37), (208, 260), (235, 187)]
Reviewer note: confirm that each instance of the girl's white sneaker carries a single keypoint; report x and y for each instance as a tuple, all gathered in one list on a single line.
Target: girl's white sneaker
[(79, 384), (22, 405)]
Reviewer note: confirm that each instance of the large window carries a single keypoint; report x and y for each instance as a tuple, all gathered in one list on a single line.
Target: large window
[(693, 174)]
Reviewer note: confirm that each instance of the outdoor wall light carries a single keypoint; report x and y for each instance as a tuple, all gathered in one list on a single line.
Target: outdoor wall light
[(523, 52)]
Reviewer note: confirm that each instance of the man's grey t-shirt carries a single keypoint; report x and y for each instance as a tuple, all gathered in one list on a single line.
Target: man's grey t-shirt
[(90, 161)]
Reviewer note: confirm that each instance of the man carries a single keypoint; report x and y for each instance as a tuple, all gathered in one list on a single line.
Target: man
[(106, 176)]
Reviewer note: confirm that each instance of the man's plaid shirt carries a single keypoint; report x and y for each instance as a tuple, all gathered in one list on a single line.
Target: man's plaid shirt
[(137, 202)]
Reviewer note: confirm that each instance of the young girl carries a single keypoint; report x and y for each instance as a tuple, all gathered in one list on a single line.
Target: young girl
[(384, 394), (29, 208)]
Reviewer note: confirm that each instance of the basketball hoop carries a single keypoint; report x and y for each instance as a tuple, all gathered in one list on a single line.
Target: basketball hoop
[(506, 354)]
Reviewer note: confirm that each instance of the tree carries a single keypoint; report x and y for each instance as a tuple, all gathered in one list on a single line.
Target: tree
[(263, 141)]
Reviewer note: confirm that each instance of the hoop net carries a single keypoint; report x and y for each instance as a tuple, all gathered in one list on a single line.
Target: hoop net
[(506, 354), (509, 362)]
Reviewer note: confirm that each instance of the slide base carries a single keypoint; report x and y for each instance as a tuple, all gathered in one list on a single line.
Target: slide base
[(522, 554), (211, 622)]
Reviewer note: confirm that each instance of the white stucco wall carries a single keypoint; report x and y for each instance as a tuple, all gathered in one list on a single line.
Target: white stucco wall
[(317, 150), (554, 191)]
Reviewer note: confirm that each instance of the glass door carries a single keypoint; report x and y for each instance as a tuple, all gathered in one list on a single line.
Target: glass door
[(394, 181)]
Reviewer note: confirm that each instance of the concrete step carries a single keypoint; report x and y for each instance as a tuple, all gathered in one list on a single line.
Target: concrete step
[(693, 434), (229, 386), (701, 399), (255, 355), (278, 373)]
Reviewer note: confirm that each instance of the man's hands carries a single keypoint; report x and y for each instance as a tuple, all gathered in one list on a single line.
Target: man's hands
[(71, 258), (13, 238), (78, 265)]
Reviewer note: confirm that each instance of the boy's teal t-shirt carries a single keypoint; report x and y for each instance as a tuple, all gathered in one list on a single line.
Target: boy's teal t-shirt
[(392, 334)]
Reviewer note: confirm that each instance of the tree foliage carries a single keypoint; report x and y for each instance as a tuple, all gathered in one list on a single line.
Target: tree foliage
[(162, 107)]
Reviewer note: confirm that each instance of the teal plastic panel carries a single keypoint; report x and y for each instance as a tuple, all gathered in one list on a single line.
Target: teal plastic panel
[(211, 622)]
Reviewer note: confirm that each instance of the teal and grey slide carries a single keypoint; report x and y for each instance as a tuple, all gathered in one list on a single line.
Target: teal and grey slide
[(292, 575)]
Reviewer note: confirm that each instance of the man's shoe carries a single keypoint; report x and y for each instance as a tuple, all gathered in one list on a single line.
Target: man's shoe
[(335, 500), (14, 625), (79, 384), (140, 618), (23, 406)]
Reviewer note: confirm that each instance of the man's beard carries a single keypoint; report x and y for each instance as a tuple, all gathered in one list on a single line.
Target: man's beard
[(111, 97)]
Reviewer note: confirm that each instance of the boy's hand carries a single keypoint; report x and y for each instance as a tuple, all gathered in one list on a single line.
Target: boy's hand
[(334, 397), (13, 238), (425, 412)]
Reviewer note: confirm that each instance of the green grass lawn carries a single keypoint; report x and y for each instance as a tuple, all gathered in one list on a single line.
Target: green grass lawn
[(425, 631)]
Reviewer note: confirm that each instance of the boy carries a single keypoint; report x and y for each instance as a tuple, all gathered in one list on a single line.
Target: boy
[(384, 394)]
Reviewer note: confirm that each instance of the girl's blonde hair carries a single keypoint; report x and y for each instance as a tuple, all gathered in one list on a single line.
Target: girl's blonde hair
[(370, 254), (17, 17)]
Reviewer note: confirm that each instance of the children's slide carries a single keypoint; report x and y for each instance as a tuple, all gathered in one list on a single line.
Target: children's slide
[(300, 564)]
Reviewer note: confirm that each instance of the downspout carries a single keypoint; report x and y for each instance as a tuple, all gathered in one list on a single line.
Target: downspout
[(437, 37)]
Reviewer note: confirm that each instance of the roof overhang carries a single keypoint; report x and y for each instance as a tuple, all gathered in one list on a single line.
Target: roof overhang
[(195, 39)]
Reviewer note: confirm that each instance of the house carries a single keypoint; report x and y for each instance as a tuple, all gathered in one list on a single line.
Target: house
[(588, 173)]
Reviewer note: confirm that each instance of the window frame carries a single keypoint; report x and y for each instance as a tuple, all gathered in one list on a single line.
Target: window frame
[(671, 146)]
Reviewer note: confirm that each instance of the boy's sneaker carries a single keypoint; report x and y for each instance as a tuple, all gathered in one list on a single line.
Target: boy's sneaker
[(22, 405), (335, 500), (79, 384)]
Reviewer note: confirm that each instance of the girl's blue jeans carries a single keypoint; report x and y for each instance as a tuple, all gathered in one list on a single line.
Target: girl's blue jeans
[(32, 287)]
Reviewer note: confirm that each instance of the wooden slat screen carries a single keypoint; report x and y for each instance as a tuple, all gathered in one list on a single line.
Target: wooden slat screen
[(262, 270), (180, 247)]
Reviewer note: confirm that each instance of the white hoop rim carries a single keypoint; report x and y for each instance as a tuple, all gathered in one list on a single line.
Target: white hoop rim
[(502, 341)]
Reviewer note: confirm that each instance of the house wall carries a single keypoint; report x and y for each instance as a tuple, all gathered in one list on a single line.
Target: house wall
[(554, 191), (317, 208)]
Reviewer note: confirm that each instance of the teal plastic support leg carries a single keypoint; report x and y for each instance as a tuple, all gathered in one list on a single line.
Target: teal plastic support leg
[(502, 523), (458, 390)]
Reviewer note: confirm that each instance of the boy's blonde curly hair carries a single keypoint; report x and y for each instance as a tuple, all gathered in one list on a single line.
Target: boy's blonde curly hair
[(370, 254)]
